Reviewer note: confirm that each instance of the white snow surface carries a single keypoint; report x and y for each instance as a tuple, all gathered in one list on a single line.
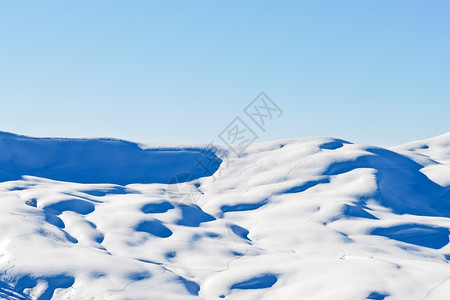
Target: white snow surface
[(312, 218)]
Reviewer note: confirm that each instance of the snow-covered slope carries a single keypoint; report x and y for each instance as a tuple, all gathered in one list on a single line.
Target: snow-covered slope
[(314, 218)]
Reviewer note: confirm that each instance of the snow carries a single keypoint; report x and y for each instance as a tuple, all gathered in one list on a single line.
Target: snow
[(312, 218)]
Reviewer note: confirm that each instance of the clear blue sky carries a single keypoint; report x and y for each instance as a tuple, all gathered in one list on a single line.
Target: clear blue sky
[(375, 72)]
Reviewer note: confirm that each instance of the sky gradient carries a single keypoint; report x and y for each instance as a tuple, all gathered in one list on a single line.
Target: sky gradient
[(373, 72)]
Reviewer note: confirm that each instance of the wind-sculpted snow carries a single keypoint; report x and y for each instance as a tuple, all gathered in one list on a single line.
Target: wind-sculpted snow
[(314, 218)]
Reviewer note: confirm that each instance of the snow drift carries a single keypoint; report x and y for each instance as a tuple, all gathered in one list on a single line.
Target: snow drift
[(314, 218)]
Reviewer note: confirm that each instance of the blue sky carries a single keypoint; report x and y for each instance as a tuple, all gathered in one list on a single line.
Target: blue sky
[(374, 72)]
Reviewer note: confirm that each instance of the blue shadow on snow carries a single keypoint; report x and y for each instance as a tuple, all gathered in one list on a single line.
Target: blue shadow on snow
[(99, 160), (259, 282), (416, 234)]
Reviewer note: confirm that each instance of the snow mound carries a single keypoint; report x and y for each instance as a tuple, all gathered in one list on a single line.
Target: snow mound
[(433, 154), (436, 148), (314, 218)]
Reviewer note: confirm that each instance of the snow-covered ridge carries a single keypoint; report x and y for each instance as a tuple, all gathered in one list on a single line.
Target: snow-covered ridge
[(313, 218), (433, 154)]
